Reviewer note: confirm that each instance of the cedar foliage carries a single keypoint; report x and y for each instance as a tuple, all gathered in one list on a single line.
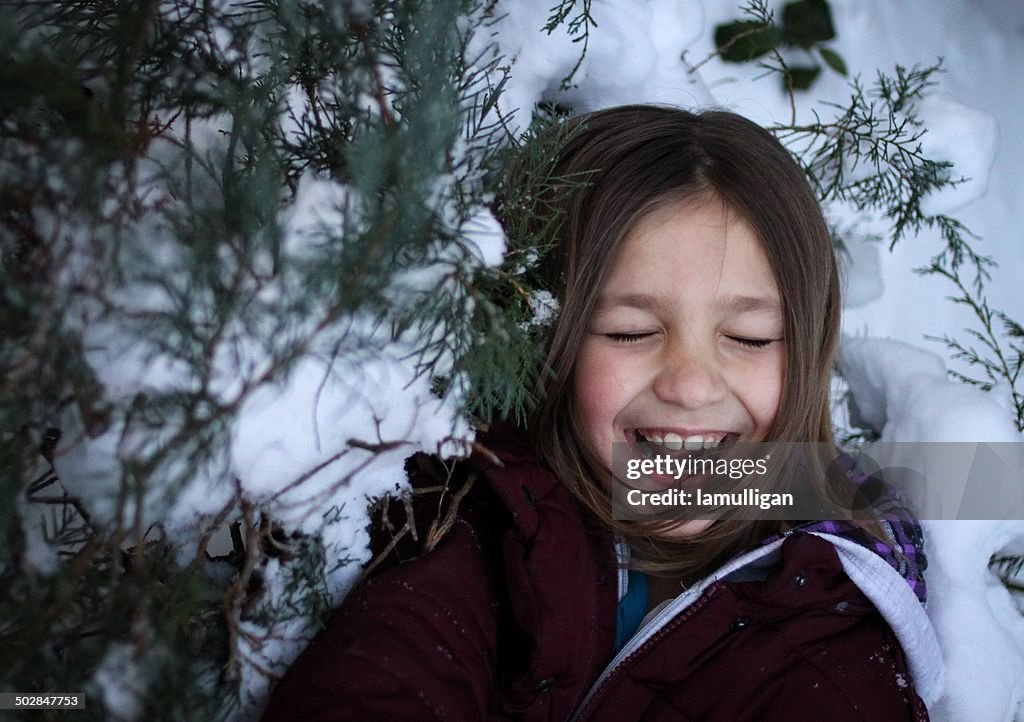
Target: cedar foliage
[(153, 155)]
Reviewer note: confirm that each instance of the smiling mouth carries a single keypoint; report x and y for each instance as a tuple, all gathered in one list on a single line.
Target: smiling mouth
[(674, 453), (672, 441)]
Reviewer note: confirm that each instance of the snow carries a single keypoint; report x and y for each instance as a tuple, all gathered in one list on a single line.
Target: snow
[(902, 392), (39, 554), (486, 236), (120, 683), (299, 466), (860, 271), (950, 122), (544, 307), (980, 630), (633, 56)]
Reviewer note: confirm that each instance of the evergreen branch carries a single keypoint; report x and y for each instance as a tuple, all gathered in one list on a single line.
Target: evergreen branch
[(878, 128), (1007, 363), (1010, 565), (169, 180), (380, 91), (764, 21), (1008, 568), (758, 11), (578, 28)]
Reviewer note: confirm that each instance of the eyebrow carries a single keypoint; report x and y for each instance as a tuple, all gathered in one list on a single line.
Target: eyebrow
[(643, 301), (747, 304), (734, 304)]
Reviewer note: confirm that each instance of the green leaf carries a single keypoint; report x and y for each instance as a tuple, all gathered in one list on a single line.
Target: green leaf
[(803, 76), (833, 60), (743, 40), (806, 22)]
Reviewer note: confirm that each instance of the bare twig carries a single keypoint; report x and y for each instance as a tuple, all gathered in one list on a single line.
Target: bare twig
[(440, 527)]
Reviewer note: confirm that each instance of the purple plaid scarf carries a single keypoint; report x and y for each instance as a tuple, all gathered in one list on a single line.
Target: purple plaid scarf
[(904, 545)]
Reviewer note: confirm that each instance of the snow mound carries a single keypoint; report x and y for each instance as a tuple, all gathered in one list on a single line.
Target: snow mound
[(860, 267), (965, 136), (902, 392), (634, 55)]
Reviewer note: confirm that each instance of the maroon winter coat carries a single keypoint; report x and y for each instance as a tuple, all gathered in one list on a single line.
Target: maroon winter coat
[(512, 617)]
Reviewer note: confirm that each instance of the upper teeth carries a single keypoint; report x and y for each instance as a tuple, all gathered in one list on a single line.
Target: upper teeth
[(674, 441)]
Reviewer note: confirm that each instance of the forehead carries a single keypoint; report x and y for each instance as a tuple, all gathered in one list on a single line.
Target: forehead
[(693, 245)]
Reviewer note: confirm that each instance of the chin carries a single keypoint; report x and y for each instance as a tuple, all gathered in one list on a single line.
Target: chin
[(685, 529)]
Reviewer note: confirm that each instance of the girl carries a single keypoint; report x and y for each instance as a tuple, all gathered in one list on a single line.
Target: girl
[(699, 303)]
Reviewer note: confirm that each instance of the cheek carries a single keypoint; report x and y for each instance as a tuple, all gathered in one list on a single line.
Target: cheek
[(596, 389), (587, 383), (766, 389)]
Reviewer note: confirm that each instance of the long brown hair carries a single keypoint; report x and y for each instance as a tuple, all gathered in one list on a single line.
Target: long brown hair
[(633, 159)]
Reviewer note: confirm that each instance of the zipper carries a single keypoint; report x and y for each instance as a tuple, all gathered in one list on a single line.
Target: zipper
[(621, 662), (674, 614), (622, 554)]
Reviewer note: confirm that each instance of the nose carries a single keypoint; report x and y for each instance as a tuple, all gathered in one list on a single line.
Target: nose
[(690, 376)]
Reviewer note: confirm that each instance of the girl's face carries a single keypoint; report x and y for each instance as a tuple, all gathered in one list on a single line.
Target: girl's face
[(686, 340)]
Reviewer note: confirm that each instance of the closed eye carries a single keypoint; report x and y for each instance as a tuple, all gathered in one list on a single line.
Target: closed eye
[(750, 342), (627, 337)]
